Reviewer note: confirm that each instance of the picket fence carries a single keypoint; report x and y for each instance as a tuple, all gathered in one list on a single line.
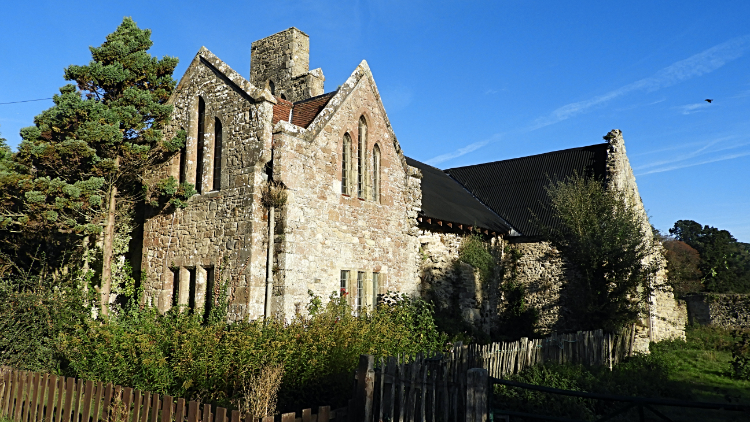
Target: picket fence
[(592, 348), (34, 397), (440, 387)]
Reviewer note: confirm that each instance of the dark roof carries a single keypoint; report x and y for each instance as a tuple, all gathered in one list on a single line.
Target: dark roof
[(444, 199), (516, 189), (303, 112)]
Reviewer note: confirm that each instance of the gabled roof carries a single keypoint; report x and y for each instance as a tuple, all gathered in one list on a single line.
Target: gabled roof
[(516, 189), (302, 112), (234, 79), (445, 199)]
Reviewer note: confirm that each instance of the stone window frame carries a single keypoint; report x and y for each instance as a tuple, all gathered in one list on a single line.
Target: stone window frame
[(359, 300), (376, 165), (192, 291), (217, 152), (362, 135), (346, 164), (200, 146)]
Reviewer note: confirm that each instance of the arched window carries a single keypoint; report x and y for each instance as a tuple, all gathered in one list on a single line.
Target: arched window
[(272, 87), (376, 173), (361, 157), (346, 164), (182, 175), (218, 140), (199, 146)]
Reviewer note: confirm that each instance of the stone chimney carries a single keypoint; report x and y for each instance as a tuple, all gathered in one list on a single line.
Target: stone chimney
[(282, 61)]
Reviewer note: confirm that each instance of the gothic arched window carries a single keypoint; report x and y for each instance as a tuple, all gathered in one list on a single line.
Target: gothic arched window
[(346, 164), (199, 145), (376, 173), (218, 140), (361, 157)]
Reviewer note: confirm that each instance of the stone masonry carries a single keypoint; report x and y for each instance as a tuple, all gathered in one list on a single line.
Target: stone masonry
[(364, 238)]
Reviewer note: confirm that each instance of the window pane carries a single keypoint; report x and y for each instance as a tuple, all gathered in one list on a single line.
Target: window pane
[(375, 287), (360, 289), (344, 285), (218, 141)]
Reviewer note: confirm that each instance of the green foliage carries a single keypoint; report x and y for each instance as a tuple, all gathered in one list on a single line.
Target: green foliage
[(602, 236), (518, 319), (741, 354), (179, 354), (169, 191), (724, 262), (475, 252), (33, 314), (640, 375)]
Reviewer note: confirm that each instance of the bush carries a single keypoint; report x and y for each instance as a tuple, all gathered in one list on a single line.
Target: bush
[(177, 354), (741, 355), (33, 314)]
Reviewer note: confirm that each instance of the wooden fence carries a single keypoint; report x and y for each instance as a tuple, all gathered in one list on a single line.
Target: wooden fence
[(592, 348), (438, 387), (34, 397)]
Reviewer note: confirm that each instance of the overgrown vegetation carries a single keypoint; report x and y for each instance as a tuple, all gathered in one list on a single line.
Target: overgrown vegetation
[(696, 369), (518, 319), (310, 359), (602, 236)]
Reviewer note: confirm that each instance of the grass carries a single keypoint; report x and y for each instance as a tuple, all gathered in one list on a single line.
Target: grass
[(695, 369)]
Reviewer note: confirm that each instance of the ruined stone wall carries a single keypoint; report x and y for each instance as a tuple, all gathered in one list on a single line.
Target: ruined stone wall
[(326, 231), (666, 317), (721, 310), (456, 287), (216, 226), (284, 59)]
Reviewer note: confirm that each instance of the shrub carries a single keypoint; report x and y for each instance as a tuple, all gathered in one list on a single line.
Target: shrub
[(178, 354), (33, 313), (741, 354)]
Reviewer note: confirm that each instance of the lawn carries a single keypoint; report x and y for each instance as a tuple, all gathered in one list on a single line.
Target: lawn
[(696, 369)]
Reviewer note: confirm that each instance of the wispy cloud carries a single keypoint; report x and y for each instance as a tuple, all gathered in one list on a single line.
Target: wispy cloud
[(707, 153), (692, 108), (699, 64), (684, 165), (461, 151), (704, 62)]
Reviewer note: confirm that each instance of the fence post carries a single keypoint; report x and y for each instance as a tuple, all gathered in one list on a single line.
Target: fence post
[(477, 395), (365, 389)]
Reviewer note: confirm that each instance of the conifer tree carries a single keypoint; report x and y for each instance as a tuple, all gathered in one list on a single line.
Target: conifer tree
[(101, 135)]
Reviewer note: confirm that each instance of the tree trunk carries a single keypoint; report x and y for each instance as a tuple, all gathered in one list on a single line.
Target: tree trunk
[(107, 247)]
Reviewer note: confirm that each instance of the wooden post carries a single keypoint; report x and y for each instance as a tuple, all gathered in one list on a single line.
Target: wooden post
[(477, 397), (365, 389)]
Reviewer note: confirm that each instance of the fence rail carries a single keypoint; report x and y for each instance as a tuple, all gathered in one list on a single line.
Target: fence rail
[(590, 348), (35, 397)]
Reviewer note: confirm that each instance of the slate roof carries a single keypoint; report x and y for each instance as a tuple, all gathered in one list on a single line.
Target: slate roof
[(444, 199), (516, 189), (303, 112)]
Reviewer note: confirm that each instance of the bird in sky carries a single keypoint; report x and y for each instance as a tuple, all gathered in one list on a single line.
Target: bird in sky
[(709, 100)]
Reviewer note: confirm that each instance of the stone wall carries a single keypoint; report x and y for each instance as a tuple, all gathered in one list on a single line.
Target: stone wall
[(721, 310), (456, 288), (218, 226), (326, 231), (284, 59)]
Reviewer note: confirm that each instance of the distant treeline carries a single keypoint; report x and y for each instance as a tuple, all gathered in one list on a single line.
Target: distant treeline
[(705, 258)]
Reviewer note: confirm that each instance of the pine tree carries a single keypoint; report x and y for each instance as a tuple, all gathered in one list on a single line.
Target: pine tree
[(101, 135)]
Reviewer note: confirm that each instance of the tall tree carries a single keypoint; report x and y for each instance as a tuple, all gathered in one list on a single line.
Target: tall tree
[(107, 128), (724, 262), (606, 242)]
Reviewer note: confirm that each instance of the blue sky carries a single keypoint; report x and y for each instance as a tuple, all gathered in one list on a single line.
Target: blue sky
[(470, 82)]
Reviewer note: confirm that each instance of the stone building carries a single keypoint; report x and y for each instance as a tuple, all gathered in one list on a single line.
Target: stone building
[(358, 216)]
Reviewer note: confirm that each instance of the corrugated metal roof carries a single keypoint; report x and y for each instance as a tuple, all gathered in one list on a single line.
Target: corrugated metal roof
[(445, 199), (516, 189)]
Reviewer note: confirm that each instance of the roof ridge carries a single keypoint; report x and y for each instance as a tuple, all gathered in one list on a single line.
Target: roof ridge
[(527, 156), (332, 93)]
